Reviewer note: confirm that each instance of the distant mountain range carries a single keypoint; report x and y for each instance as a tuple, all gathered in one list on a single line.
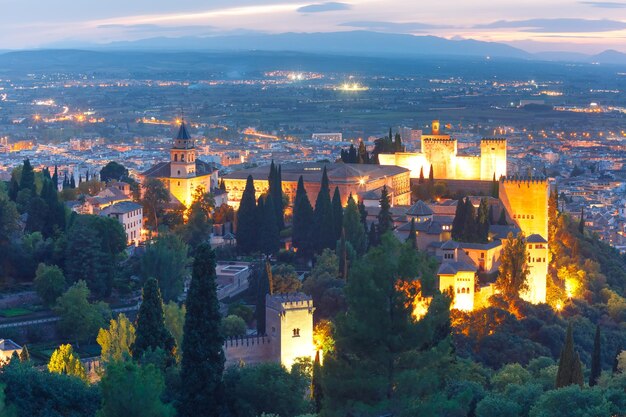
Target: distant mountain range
[(364, 43), (346, 44)]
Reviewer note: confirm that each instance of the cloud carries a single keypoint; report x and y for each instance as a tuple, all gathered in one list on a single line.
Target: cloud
[(557, 25), (324, 7), (149, 28), (392, 26), (605, 4)]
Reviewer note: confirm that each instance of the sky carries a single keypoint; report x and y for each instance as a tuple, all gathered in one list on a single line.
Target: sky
[(534, 25)]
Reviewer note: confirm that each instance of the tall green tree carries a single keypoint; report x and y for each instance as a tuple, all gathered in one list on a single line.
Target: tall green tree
[(483, 221), (355, 232), (49, 283), (154, 201), (459, 220), (27, 181), (421, 178), (337, 213), (151, 333), (513, 270), (132, 390), (275, 182), (203, 358), (269, 235), (581, 223), (596, 359), (264, 287), (495, 187), (385, 221), (302, 219), (95, 245), (113, 171), (381, 349), (166, 260), (80, 319), (247, 223), (323, 222), (502, 219), (570, 368), (431, 177), (412, 238)]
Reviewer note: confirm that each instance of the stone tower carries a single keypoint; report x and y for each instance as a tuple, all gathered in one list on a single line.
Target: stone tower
[(289, 322), (183, 154), (492, 158), (526, 202)]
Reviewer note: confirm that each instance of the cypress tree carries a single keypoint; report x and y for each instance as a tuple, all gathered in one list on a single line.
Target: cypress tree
[(27, 182), (302, 219), (581, 223), (373, 237), (431, 177), (364, 157), (495, 187), (355, 232), (363, 214), (24, 354), (570, 367), (352, 155), (412, 238), (421, 179), (459, 220), (276, 191), (66, 182), (246, 219), (222, 185), (342, 254), (596, 362), (502, 218), (337, 213), (483, 220), (398, 143), (269, 235), (55, 178), (324, 225), (14, 188), (385, 221), (263, 288), (203, 359), (317, 395), (151, 331), (72, 181)]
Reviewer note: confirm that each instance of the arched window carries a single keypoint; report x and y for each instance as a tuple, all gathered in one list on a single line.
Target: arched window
[(175, 157), (182, 157), (468, 290), (296, 332), (462, 290)]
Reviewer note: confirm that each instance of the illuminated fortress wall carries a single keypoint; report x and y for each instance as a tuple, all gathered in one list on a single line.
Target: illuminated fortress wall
[(526, 201), (440, 151)]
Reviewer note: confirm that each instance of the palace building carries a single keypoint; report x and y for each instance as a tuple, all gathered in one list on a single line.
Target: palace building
[(365, 182), (441, 152), (184, 172)]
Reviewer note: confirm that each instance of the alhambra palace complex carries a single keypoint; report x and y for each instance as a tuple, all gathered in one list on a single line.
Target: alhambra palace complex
[(290, 317)]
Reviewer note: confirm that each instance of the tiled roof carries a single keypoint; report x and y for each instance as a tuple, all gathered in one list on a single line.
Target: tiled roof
[(419, 209), (451, 268), (535, 238)]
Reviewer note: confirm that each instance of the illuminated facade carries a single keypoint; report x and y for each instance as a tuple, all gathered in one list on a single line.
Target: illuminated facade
[(184, 172), (289, 333), (360, 180), (440, 151), (526, 202)]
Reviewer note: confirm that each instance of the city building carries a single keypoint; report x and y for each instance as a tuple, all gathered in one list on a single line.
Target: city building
[(327, 137), (7, 349), (184, 172), (441, 152), (289, 328), (130, 215), (360, 180)]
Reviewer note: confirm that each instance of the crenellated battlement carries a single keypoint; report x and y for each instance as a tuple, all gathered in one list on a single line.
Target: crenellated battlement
[(241, 341), (289, 301), (523, 180), (439, 140), (493, 140)]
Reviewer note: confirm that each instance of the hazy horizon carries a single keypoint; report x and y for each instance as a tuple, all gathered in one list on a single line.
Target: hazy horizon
[(535, 26)]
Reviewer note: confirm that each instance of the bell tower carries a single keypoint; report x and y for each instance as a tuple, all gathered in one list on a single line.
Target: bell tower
[(183, 154)]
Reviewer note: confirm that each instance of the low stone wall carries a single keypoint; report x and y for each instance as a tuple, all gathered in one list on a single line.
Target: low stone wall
[(250, 350)]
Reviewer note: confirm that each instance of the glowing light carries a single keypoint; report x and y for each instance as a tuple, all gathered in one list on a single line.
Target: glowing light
[(559, 306), (352, 87), (362, 181)]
